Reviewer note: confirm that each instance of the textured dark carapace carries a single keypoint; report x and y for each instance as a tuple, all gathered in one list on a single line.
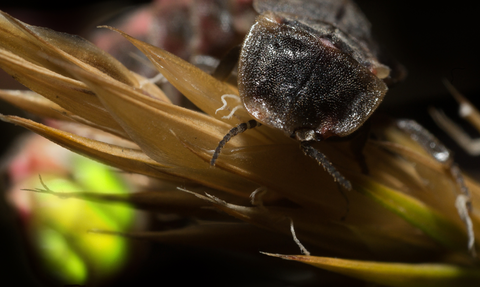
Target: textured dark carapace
[(310, 69)]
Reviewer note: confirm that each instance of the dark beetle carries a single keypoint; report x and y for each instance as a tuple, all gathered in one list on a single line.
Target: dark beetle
[(310, 69)]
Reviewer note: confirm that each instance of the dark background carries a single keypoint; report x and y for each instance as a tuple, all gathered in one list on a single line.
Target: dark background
[(434, 42)]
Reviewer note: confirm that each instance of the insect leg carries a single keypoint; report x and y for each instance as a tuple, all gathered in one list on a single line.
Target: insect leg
[(227, 64), (233, 132), (435, 148), (438, 151), (310, 151), (358, 144), (425, 139)]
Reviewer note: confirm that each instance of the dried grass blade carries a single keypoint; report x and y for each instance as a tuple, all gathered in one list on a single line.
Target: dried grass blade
[(436, 225), (202, 89), (32, 102), (395, 274), (68, 93), (41, 45), (130, 160)]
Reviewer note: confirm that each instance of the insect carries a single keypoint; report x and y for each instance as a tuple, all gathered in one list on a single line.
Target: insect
[(312, 70)]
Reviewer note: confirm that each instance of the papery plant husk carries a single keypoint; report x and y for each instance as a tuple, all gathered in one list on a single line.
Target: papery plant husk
[(400, 223)]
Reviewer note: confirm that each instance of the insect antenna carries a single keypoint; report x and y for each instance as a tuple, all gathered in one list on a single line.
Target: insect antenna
[(310, 151), (322, 159), (233, 132)]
